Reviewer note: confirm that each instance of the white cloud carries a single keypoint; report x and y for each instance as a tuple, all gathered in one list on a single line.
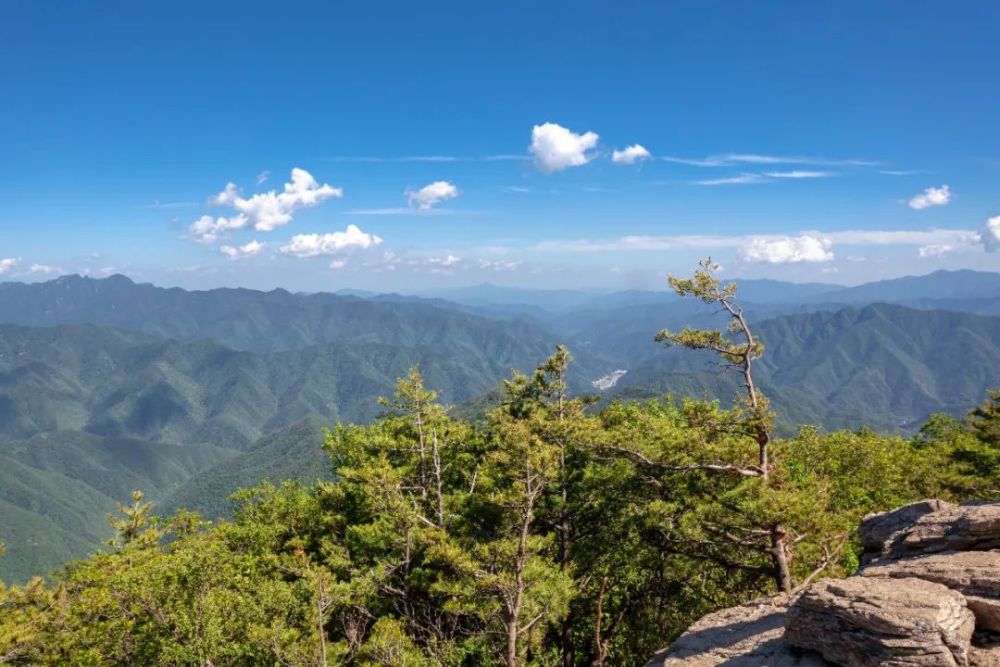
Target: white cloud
[(240, 252), (855, 237), (935, 250), (787, 250), (314, 245), (729, 159), (428, 196), (990, 235), (742, 179), (631, 155), (931, 197), (446, 261), (556, 148), (267, 211), (8, 264), (263, 176), (799, 173), (499, 264), (207, 229), (44, 269), (338, 264)]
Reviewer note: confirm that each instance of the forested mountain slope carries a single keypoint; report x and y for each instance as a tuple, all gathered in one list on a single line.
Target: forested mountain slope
[(882, 366)]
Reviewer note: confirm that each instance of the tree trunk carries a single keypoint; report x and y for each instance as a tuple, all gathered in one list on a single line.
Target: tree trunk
[(779, 558)]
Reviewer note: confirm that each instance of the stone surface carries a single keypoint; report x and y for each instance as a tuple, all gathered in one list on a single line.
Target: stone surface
[(876, 529), (974, 574), (746, 636), (869, 621), (965, 528), (984, 656)]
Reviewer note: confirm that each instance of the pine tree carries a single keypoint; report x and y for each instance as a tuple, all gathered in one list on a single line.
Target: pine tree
[(737, 355)]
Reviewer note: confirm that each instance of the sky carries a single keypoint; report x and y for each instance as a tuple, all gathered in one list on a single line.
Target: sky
[(412, 146)]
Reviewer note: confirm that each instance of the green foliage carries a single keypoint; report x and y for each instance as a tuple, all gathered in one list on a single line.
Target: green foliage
[(548, 532), (985, 419)]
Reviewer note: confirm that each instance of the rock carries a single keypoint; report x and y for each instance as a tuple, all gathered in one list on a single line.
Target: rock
[(984, 656), (965, 528), (974, 574), (869, 621), (746, 636), (876, 529)]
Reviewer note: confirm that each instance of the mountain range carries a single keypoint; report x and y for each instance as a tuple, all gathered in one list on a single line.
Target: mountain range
[(108, 386)]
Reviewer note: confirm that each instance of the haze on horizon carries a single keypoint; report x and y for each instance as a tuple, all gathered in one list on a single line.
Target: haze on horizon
[(571, 145)]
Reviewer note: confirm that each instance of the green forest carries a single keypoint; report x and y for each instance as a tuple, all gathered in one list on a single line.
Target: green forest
[(546, 528)]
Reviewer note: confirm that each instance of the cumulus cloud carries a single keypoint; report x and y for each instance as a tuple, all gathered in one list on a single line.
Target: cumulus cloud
[(931, 197), (315, 245), (990, 235), (631, 155), (556, 148), (428, 196), (8, 264), (207, 229), (267, 211), (240, 252), (787, 250)]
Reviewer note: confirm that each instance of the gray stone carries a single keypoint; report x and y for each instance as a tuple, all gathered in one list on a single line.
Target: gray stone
[(885, 622), (746, 636), (974, 574), (876, 529), (965, 528)]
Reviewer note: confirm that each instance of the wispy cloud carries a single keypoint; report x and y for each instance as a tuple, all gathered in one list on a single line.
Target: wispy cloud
[(730, 159), (741, 179), (169, 205), (403, 158), (899, 172), (799, 173), (403, 210), (858, 237)]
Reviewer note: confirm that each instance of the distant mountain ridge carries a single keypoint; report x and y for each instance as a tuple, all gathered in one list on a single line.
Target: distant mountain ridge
[(108, 385)]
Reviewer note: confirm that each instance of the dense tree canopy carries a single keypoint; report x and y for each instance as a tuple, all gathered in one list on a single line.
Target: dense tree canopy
[(550, 532)]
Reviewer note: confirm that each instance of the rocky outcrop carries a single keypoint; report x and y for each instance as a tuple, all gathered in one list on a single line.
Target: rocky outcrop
[(928, 594), (974, 574), (747, 636), (866, 622), (876, 529), (965, 528)]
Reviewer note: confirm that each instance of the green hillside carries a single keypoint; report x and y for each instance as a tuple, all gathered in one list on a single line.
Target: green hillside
[(882, 366)]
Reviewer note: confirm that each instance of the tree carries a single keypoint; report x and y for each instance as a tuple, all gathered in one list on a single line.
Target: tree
[(985, 419), (737, 355)]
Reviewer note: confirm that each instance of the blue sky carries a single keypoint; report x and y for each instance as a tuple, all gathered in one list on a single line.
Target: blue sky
[(451, 143)]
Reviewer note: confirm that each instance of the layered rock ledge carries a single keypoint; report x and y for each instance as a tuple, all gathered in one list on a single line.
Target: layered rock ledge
[(928, 594)]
